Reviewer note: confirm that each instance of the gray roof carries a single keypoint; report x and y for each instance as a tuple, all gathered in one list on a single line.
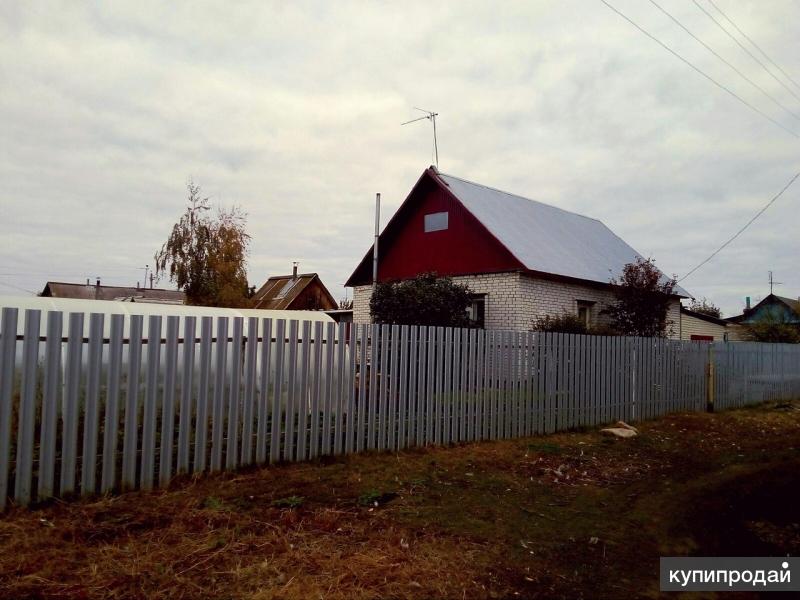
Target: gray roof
[(59, 289), (545, 238)]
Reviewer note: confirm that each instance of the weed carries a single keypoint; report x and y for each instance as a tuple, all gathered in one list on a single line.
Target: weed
[(289, 502), (546, 448), (213, 503)]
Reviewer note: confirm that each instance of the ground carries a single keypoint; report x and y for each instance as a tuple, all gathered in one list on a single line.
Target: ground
[(575, 515)]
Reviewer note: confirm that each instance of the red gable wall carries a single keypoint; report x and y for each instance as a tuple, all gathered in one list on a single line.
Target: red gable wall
[(406, 250)]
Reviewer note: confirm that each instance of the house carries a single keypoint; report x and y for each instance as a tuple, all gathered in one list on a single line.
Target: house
[(522, 259), (773, 307), (294, 292), (700, 327), (58, 289)]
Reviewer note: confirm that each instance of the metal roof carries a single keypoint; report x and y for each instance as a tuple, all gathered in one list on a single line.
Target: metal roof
[(545, 238), (279, 292), (58, 289)]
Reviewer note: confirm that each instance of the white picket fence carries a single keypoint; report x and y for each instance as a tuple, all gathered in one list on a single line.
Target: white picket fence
[(128, 407)]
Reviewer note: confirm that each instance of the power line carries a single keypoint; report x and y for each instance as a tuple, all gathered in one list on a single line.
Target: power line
[(750, 222), (16, 287), (711, 79), (743, 47), (714, 52), (747, 37)]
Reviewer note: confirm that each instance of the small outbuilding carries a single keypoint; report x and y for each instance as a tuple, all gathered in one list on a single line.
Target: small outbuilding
[(303, 291), (700, 327)]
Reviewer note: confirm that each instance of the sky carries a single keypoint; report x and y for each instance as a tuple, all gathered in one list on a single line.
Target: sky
[(292, 111)]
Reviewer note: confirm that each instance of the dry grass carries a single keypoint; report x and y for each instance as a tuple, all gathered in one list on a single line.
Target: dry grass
[(569, 515)]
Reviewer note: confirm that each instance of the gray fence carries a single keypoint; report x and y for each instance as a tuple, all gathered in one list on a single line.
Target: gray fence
[(90, 405)]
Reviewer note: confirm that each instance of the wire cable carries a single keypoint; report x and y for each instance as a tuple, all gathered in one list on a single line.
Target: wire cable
[(749, 39), (16, 287), (743, 47), (746, 225), (715, 53), (701, 72)]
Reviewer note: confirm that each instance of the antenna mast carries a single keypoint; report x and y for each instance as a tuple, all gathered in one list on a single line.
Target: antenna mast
[(431, 116), (772, 282)]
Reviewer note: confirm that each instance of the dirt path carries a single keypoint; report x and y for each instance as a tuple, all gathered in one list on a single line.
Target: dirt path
[(566, 516)]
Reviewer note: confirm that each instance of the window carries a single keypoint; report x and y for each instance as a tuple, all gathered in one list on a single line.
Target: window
[(436, 222), (477, 311), (585, 312), (702, 338)]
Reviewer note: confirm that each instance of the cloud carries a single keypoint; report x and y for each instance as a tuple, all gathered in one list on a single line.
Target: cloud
[(293, 112)]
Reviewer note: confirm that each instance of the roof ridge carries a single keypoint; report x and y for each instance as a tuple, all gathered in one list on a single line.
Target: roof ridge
[(494, 189)]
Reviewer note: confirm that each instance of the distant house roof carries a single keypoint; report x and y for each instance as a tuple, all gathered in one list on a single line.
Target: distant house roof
[(543, 238), (58, 289), (792, 304), (704, 317), (279, 292)]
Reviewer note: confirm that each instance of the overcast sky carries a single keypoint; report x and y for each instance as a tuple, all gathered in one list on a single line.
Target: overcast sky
[(292, 111)]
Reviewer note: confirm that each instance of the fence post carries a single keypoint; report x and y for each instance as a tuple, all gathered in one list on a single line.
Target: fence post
[(710, 379)]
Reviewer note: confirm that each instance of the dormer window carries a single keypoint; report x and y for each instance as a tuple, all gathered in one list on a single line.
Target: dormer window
[(435, 222)]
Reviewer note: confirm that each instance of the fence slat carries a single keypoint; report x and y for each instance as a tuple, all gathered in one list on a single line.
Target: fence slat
[(422, 369), (72, 387), (50, 404), (111, 422), (363, 382), (302, 412), (351, 391), (263, 397), (413, 386), (341, 384), (218, 397), (249, 400), (27, 408), (277, 391), (150, 400), (168, 402), (430, 391), (447, 391), (291, 390), (8, 350), (91, 406), (329, 393), (374, 342), (201, 420), (402, 401), (383, 376), (186, 408)]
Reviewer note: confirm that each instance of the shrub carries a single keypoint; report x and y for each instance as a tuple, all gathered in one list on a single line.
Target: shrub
[(424, 300)]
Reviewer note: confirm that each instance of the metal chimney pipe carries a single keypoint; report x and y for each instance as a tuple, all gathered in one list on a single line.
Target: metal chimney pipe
[(375, 244), (294, 269)]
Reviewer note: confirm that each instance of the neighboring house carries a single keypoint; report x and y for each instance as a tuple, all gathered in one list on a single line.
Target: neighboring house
[(700, 327), (57, 289), (294, 292), (776, 308), (521, 259)]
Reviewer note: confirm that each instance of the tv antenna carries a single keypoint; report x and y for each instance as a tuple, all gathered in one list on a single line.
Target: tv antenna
[(772, 282), (431, 116)]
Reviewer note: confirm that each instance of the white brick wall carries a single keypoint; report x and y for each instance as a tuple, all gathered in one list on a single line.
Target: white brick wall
[(514, 301)]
